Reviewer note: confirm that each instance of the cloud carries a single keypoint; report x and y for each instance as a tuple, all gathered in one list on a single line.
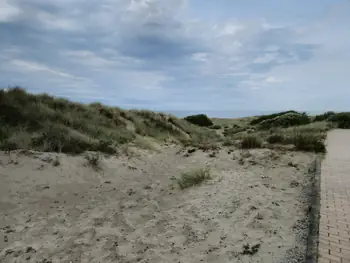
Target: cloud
[(8, 12), (171, 55), (272, 80)]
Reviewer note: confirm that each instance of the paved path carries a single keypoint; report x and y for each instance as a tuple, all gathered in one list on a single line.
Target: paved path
[(334, 239)]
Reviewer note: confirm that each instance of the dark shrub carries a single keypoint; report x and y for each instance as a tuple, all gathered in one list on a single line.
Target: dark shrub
[(193, 178), (309, 143), (200, 120), (342, 120), (215, 127), (285, 121), (270, 116), (275, 138), (324, 117), (251, 142), (228, 142)]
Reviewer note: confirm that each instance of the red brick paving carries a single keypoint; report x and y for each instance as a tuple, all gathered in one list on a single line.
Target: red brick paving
[(334, 229)]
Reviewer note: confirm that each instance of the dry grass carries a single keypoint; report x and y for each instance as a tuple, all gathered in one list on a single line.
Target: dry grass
[(93, 160), (47, 123), (251, 142), (193, 178)]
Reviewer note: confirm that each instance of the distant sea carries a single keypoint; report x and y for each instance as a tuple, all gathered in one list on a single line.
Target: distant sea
[(229, 114)]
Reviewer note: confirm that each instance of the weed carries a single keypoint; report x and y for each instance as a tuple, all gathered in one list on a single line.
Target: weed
[(93, 159), (275, 138), (56, 162), (250, 142), (193, 178)]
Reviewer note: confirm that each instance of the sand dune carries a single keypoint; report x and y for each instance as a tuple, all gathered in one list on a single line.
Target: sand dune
[(57, 208)]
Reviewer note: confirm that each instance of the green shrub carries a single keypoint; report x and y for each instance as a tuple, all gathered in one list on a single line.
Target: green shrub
[(200, 120), (324, 117), (275, 138), (215, 127), (193, 178), (341, 119), (93, 159), (285, 121), (309, 143), (250, 142), (234, 130), (228, 142), (262, 118)]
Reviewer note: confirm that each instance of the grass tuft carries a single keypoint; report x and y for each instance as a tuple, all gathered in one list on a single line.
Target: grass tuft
[(193, 178), (93, 159), (251, 142)]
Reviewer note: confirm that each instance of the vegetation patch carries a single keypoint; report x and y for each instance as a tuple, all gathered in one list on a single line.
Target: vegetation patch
[(93, 159), (200, 120), (285, 121), (193, 178), (46, 123), (342, 120), (250, 142), (262, 118)]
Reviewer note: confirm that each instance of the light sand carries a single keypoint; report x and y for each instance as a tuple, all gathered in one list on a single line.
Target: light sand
[(129, 210)]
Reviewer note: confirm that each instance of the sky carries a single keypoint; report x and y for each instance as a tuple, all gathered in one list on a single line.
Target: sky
[(181, 55)]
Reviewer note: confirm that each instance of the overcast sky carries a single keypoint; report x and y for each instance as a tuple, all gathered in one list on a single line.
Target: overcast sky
[(205, 55)]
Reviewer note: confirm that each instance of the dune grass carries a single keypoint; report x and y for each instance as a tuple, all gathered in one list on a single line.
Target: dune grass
[(193, 178), (47, 123)]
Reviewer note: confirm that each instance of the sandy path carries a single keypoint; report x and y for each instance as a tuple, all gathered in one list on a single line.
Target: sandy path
[(334, 227), (128, 211)]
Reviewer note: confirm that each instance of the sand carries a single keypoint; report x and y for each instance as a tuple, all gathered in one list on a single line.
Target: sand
[(129, 210)]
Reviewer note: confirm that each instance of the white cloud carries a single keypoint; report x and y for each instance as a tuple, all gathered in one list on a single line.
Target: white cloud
[(50, 21), (31, 66), (231, 29), (7, 11), (266, 58), (273, 80), (200, 57), (88, 58)]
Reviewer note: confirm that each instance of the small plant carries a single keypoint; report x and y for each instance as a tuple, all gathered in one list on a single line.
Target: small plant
[(200, 120), (275, 138), (56, 162), (228, 142), (215, 127), (251, 142), (193, 178), (309, 143), (93, 159)]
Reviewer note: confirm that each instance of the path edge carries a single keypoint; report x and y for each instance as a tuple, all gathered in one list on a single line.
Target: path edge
[(314, 215)]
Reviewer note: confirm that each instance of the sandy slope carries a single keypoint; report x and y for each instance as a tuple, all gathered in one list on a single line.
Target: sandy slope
[(129, 211)]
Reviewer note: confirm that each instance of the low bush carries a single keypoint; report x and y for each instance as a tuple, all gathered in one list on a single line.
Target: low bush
[(228, 142), (262, 118), (275, 138), (93, 159), (200, 120), (309, 143), (215, 127), (285, 121), (250, 142), (342, 120), (193, 178), (324, 117)]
